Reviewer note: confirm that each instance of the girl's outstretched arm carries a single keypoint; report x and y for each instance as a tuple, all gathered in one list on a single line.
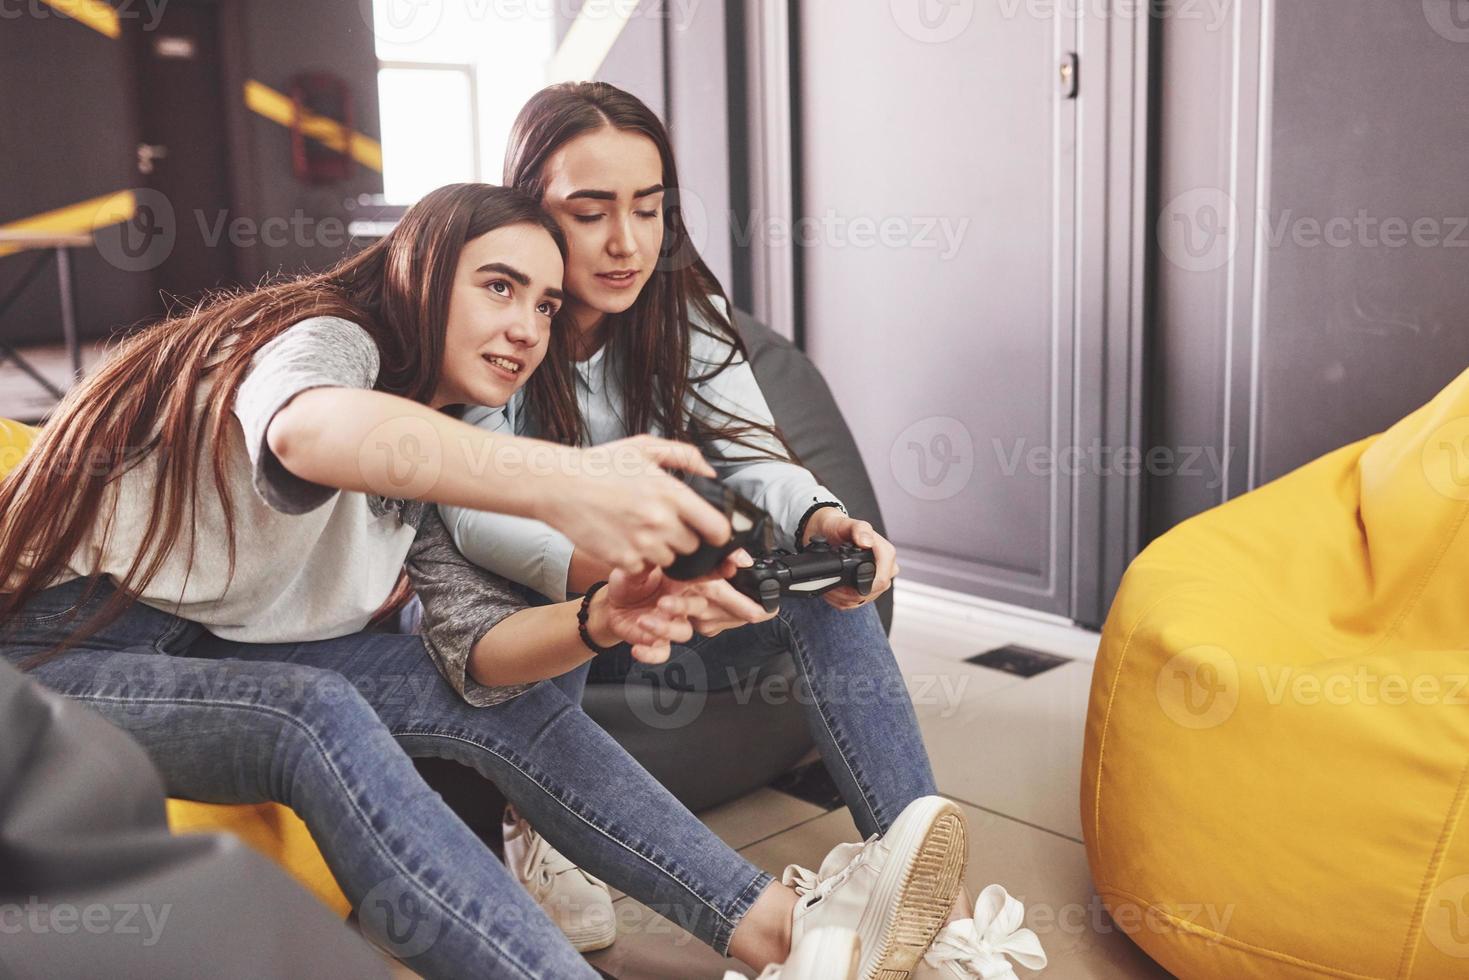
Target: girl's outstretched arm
[(613, 500)]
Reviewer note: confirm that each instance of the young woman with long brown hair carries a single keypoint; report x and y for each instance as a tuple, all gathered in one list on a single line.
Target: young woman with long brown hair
[(650, 337), (203, 532)]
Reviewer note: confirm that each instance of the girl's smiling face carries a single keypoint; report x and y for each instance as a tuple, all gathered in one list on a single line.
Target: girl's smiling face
[(507, 289), (605, 190)]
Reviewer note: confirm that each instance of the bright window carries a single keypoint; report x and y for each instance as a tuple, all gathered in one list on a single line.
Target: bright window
[(429, 126), (452, 77)]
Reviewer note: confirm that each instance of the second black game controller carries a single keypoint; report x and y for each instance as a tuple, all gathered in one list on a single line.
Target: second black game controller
[(820, 568), (752, 529)]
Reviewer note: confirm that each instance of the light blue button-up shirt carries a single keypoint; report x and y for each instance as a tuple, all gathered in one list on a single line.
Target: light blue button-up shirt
[(538, 556)]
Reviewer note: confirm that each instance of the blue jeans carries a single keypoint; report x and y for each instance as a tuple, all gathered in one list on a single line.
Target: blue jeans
[(854, 696), (328, 727)]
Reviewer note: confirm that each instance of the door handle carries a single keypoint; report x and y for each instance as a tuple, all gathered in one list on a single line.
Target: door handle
[(1070, 71), (147, 154)]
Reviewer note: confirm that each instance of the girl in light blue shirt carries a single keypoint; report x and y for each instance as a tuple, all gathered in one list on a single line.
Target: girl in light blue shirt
[(645, 344)]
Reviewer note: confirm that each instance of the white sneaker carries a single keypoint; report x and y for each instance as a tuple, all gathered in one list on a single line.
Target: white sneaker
[(976, 948), (824, 954), (579, 904), (895, 892)]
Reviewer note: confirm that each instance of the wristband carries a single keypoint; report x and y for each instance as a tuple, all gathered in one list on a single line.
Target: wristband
[(582, 615), (806, 519)]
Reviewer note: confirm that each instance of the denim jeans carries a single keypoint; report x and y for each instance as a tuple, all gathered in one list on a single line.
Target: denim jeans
[(327, 728), (853, 693)]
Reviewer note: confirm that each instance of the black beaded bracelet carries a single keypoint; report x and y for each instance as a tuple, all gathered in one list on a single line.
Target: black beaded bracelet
[(806, 519), (583, 614)]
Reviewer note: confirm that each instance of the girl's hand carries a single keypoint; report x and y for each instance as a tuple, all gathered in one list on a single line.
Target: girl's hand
[(646, 609), (616, 503), (727, 606), (837, 528)]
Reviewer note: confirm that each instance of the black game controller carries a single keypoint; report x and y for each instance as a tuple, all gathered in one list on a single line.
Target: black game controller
[(753, 529), (820, 568)]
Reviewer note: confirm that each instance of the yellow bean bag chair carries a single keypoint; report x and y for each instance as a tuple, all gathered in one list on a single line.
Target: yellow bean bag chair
[(269, 828), (1277, 742)]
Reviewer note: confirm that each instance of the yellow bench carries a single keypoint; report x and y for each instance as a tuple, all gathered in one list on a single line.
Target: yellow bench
[(1277, 745), (269, 828)]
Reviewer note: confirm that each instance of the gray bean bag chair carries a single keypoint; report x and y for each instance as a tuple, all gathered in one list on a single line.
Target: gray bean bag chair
[(92, 883), (699, 731), (808, 415)]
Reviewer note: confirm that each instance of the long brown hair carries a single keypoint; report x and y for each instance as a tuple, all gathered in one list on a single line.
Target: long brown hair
[(650, 341), (141, 402)]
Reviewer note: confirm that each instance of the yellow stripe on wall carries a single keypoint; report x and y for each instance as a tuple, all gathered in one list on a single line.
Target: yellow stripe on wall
[(84, 216), (279, 108), (93, 13)]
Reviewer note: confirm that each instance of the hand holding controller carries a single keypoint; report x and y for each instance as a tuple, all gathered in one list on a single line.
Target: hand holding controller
[(752, 530), (820, 568)]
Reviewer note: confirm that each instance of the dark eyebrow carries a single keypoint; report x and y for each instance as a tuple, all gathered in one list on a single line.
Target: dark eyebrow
[(519, 277), (610, 196), (504, 269)]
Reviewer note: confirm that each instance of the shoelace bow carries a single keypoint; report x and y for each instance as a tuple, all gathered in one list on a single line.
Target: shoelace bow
[(550, 862), (839, 864), (981, 944)]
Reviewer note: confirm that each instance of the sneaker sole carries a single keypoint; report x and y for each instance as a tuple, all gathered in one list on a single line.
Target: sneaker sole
[(919, 894), (591, 942)]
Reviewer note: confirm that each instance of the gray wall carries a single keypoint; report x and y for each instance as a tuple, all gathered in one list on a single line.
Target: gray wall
[(985, 346), (1304, 125), (948, 339), (698, 117), (1296, 150), (282, 38), (68, 136), (69, 125)]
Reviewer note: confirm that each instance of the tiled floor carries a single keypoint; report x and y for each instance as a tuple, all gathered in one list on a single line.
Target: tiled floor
[(21, 397), (1008, 749)]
